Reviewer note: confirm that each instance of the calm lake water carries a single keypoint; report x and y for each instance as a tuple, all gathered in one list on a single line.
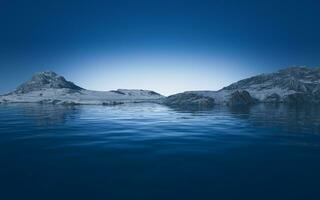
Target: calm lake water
[(150, 151)]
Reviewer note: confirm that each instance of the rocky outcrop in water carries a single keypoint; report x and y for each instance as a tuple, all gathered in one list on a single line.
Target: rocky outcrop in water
[(189, 100), (239, 98)]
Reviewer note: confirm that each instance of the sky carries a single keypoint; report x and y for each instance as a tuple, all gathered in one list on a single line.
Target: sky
[(168, 46)]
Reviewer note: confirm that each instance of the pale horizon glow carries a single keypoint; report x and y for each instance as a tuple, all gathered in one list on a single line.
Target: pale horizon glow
[(165, 74), (164, 71)]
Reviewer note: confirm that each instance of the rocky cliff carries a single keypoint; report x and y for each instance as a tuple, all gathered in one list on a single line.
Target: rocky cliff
[(295, 85)]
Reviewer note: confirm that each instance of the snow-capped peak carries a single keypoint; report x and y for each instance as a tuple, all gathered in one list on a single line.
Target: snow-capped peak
[(46, 80)]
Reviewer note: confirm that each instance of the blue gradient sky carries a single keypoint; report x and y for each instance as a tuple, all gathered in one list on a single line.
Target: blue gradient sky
[(166, 46)]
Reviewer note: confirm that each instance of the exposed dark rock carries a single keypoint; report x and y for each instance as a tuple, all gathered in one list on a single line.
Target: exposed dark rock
[(57, 102), (46, 80), (240, 98), (189, 99), (297, 98), (153, 93), (118, 92), (273, 98), (69, 103), (112, 103), (49, 101)]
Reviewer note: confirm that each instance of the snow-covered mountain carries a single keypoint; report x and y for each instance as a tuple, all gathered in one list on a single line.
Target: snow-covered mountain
[(46, 80), (49, 87), (295, 85)]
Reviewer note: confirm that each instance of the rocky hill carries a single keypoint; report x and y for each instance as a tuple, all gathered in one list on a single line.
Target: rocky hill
[(46, 80), (49, 87), (295, 85)]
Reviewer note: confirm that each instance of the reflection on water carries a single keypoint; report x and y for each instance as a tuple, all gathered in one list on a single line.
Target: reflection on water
[(122, 124), (46, 114), (150, 151), (303, 119)]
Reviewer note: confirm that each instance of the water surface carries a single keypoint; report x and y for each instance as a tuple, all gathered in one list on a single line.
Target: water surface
[(150, 151)]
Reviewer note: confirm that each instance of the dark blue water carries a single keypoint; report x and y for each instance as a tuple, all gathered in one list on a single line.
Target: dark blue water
[(149, 151)]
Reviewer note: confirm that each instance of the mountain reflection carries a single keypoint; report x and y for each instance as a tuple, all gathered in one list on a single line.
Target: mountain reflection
[(300, 119), (289, 117), (48, 114)]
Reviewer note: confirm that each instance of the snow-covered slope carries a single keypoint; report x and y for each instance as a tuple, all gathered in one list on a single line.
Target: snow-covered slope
[(282, 85), (48, 87), (46, 80), (291, 85)]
